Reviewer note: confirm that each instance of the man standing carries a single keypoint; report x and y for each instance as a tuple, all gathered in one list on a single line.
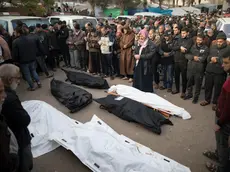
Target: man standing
[(215, 75), (196, 57), (106, 43), (80, 45), (63, 34), (222, 126), (181, 47), (16, 116)]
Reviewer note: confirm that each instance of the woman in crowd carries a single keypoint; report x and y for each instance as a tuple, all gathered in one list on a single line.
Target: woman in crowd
[(126, 59), (144, 53)]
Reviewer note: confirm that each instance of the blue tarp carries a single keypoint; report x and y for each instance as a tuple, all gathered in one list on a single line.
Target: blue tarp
[(152, 9), (159, 10)]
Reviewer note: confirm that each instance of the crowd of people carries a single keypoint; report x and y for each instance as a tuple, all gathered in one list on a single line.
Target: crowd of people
[(139, 51)]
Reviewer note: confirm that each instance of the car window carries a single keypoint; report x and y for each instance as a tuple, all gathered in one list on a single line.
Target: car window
[(54, 20), (226, 30), (30, 22), (4, 24), (82, 22)]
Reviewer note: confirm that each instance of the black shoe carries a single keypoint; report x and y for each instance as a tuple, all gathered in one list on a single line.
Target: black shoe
[(111, 77), (195, 101), (182, 95), (187, 97), (50, 75), (175, 92)]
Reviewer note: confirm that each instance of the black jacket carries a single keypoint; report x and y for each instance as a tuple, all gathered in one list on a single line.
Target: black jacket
[(216, 52), (44, 40), (166, 47), (17, 118), (179, 57), (197, 66), (147, 56), (53, 41), (63, 35), (7, 163), (25, 48)]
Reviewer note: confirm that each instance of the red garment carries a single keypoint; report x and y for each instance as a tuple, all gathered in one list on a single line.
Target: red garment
[(223, 111)]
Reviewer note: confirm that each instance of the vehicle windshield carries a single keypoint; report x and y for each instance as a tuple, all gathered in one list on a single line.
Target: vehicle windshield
[(30, 22), (4, 24), (82, 22), (226, 30), (218, 25)]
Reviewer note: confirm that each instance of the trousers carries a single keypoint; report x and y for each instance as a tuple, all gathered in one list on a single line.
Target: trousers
[(194, 79), (215, 81), (107, 64), (42, 64), (223, 149), (82, 61), (95, 60), (29, 69), (25, 159), (168, 75), (181, 69)]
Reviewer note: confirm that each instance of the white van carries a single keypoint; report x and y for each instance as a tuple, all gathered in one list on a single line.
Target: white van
[(71, 19), (10, 22), (147, 14), (223, 24), (124, 17)]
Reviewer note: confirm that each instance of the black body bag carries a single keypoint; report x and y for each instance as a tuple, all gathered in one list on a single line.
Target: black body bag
[(85, 79), (133, 111), (72, 97)]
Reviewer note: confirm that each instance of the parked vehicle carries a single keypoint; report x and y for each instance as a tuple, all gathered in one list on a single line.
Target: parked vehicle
[(223, 24)]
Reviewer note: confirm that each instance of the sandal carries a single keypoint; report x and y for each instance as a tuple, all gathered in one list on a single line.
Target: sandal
[(211, 167), (204, 103), (211, 155)]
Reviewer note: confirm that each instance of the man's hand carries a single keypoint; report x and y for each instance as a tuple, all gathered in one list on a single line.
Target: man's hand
[(213, 60), (125, 46), (166, 54), (216, 127), (182, 49), (137, 57), (196, 58)]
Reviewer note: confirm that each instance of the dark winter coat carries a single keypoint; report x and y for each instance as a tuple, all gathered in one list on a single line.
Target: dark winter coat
[(17, 118), (166, 47), (179, 57), (197, 66), (218, 52)]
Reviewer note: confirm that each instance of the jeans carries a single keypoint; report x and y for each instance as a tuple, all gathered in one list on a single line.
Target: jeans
[(28, 70), (42, 64), (81, 59), (107, 64), (168, 75), (73, 59), (223, 149)]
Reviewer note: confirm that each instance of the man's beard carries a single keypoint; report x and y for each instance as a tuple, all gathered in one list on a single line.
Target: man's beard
[(14, 86)]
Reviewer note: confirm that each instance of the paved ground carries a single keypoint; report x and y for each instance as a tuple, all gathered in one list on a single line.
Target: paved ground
[(183, 142)]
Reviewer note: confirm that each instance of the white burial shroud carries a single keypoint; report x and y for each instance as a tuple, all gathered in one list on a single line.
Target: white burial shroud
[(149, 99), (96, 144)]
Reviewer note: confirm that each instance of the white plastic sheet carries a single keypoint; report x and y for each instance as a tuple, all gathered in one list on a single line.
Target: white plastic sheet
[(96, 144), (149, 99)]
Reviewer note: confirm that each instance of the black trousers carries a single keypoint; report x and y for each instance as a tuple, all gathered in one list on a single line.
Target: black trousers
[(107, 64), (194, 79), (181, 69), (42, 64), (116, 63), (95, 60), (215, 81), (53, 59), (155, 72), (65, 54)]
